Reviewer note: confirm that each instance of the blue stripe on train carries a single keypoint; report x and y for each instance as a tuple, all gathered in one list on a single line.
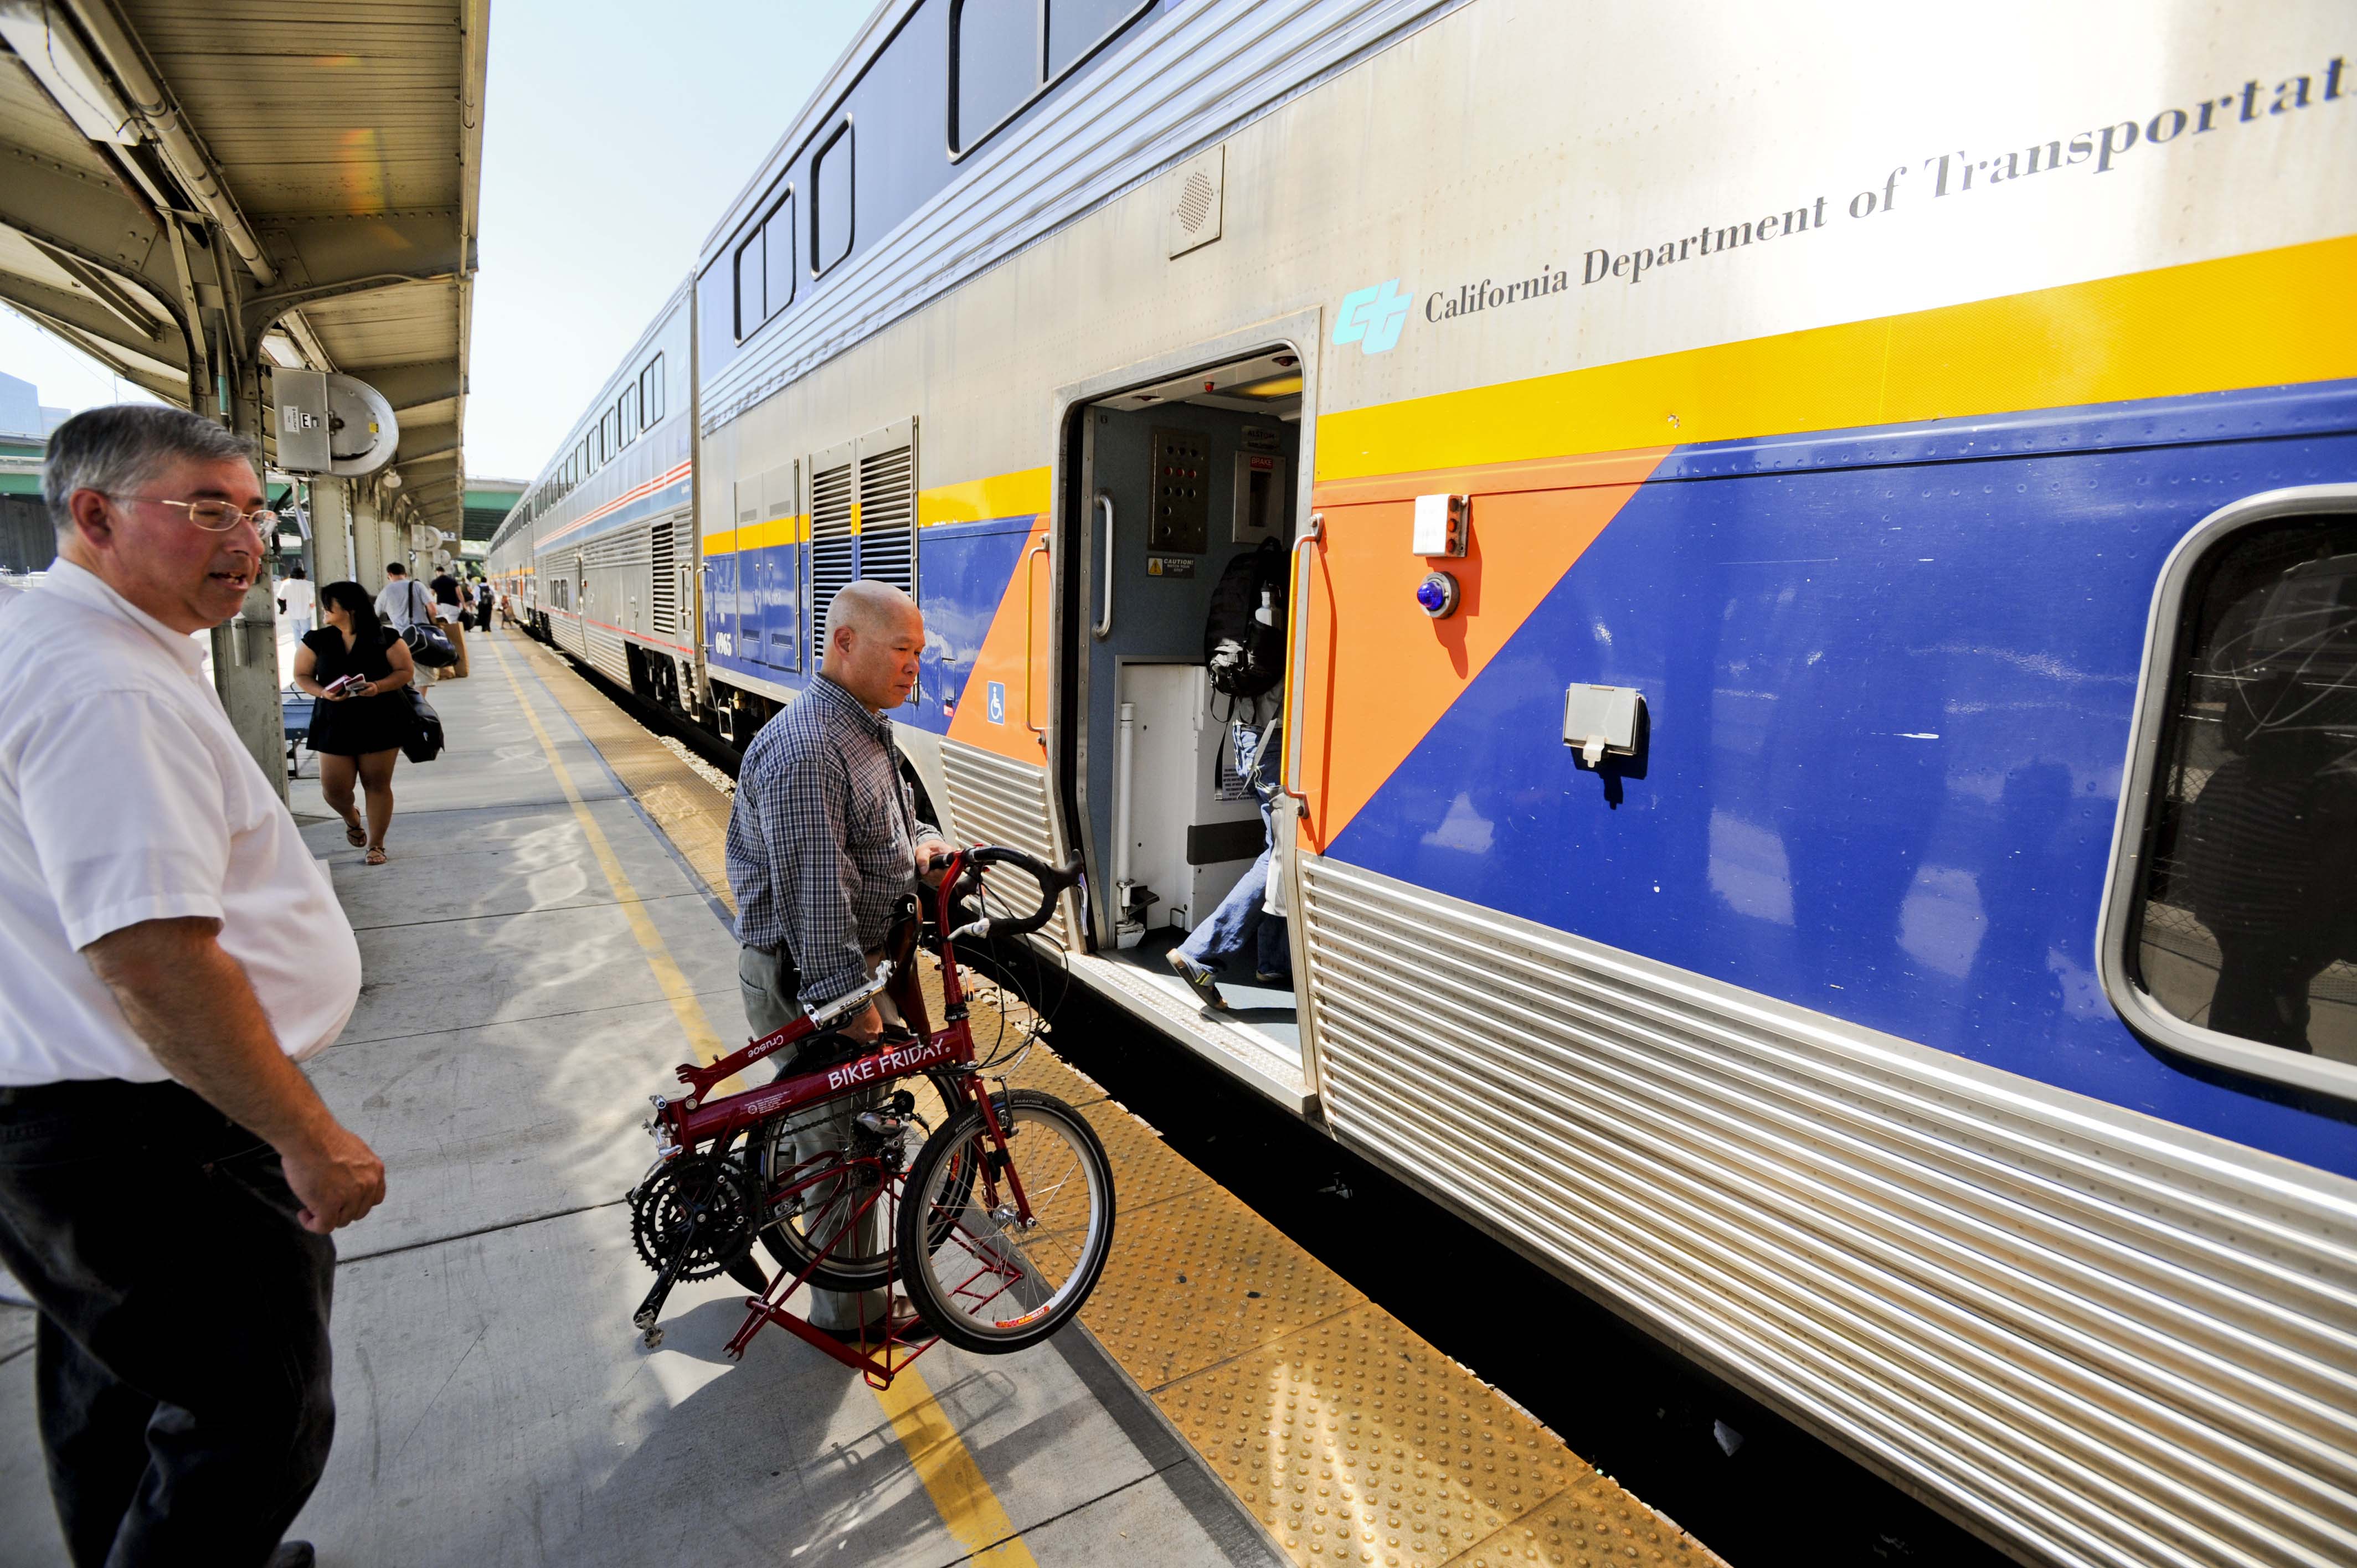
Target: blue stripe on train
[(1889, 675), (962, 570)]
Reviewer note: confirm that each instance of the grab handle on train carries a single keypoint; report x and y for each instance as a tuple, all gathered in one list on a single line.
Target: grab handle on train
[(1029, 579), (1103, 627)]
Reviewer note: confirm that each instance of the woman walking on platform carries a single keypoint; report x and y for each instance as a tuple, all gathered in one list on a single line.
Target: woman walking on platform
[(360, 670)]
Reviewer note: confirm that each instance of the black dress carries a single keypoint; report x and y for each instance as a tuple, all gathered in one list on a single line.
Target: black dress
[(357, 725)]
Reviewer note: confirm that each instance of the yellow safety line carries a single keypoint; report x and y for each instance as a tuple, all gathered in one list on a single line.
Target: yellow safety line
[(971, 1510), (683, 1005)]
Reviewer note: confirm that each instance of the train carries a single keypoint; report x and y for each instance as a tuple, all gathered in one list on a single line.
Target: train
[(1819, 548)]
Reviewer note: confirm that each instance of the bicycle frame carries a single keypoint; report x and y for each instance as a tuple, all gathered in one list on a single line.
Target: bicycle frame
[(695, 1120)]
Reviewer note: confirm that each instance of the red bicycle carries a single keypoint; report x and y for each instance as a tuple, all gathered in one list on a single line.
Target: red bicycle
[(995, 1211)]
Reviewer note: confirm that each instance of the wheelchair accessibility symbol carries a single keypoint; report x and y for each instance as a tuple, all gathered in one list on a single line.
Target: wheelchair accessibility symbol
[(998, 701)]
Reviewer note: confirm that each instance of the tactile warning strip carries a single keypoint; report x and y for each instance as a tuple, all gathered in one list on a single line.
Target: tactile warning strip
[(1352, 1439), (1593, 1524), (1203, 1279)]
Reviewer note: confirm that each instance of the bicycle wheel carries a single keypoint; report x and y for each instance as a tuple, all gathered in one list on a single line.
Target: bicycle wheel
[(982, 1278), (816, 1166)]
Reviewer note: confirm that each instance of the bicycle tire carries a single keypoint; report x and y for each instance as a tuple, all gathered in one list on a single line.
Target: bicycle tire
[(948, 1239), (788, 1245)]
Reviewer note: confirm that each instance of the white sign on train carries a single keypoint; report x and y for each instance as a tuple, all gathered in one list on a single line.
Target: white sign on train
[(1743, 201)]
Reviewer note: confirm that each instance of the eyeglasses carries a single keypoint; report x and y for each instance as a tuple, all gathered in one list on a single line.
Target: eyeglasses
[(213, 516)]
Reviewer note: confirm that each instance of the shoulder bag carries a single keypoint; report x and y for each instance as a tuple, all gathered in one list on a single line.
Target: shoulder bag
[(424, 741), (427, 646)]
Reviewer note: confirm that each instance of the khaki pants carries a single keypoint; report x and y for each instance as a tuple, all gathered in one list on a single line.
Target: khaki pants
[(769, 986)]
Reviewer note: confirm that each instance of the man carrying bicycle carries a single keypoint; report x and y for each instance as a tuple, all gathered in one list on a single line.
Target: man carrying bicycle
[(824, 842)]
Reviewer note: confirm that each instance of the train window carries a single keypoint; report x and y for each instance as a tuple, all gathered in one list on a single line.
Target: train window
[(831, 178), (1075, 27), (750, 274), (2231, 929), (650, 390), (993, 65), (778, 242)]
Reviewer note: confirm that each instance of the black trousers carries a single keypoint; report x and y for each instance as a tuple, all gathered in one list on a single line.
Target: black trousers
[(182, 1363)]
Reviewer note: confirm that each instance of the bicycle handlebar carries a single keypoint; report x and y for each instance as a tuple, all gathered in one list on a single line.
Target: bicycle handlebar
[(1052, 881), (853, 1000)]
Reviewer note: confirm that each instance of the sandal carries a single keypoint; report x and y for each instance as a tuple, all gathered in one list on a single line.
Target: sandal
[(355, 834), (375, 855)]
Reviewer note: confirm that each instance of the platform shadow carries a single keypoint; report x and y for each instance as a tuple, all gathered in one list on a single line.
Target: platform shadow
[(784, 1457)]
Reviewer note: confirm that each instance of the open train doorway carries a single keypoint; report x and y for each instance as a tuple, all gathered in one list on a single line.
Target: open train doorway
[(1180, 525)]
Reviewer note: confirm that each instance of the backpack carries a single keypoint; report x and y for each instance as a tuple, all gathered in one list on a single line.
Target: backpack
[(1244, 653)]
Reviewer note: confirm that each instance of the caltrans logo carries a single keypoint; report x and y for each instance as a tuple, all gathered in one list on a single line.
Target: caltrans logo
[(1371, 317)]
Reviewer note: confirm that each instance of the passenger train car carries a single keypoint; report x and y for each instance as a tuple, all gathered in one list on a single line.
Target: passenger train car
[(1822, 551), (598, 554)]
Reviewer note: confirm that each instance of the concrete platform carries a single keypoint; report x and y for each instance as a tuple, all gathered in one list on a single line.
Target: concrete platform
[(495, 1406)]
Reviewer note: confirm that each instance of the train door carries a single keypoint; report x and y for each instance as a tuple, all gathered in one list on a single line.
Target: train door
[(775, 596), (741, 607), (1185, 484)]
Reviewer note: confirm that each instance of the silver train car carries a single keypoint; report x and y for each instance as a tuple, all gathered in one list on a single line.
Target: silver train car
[(598, 556), (1819, 553)]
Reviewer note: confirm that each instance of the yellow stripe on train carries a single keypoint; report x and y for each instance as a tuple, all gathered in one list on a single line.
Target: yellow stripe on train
[(1021, 494), (2269, 318)]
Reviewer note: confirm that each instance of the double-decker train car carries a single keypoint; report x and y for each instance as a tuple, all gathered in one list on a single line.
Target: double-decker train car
[(1819, 551), (598, 554)]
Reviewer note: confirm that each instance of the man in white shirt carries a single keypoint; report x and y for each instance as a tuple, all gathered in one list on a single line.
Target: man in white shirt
[(403, 602), (297, 601), (167, 1175)]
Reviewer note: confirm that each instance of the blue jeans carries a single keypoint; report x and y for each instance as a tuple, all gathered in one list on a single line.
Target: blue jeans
[(1240, 924)]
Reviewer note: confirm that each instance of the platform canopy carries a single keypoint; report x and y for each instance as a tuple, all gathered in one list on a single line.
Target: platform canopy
[(198, 193)]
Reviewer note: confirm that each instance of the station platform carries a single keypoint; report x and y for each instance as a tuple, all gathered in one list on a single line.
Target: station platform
[(550, 937)]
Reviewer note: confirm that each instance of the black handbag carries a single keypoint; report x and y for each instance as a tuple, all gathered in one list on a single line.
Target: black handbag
[(424, 741), (428, 647)]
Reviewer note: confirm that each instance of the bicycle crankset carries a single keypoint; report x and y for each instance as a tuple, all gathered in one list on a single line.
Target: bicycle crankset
[(695, 1216)]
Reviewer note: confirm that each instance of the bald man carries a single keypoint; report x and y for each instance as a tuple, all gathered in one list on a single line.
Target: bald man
[(823, 841)]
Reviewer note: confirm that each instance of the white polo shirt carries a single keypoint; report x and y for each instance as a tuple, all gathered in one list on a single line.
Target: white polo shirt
[(125, 796)]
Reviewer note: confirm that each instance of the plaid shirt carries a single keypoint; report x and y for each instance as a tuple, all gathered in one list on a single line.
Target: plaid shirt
[(822, 838)]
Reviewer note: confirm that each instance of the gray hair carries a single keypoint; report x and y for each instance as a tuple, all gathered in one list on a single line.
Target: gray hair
[(116, 449)]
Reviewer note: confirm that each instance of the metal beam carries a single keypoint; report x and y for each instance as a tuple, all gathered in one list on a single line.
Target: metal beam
[(413, 386), (137, 313), (161, 118), (171, 387), (93, 320), (84, 217)]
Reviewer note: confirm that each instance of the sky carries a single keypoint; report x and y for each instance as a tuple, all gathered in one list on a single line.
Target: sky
[(613, 136)]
